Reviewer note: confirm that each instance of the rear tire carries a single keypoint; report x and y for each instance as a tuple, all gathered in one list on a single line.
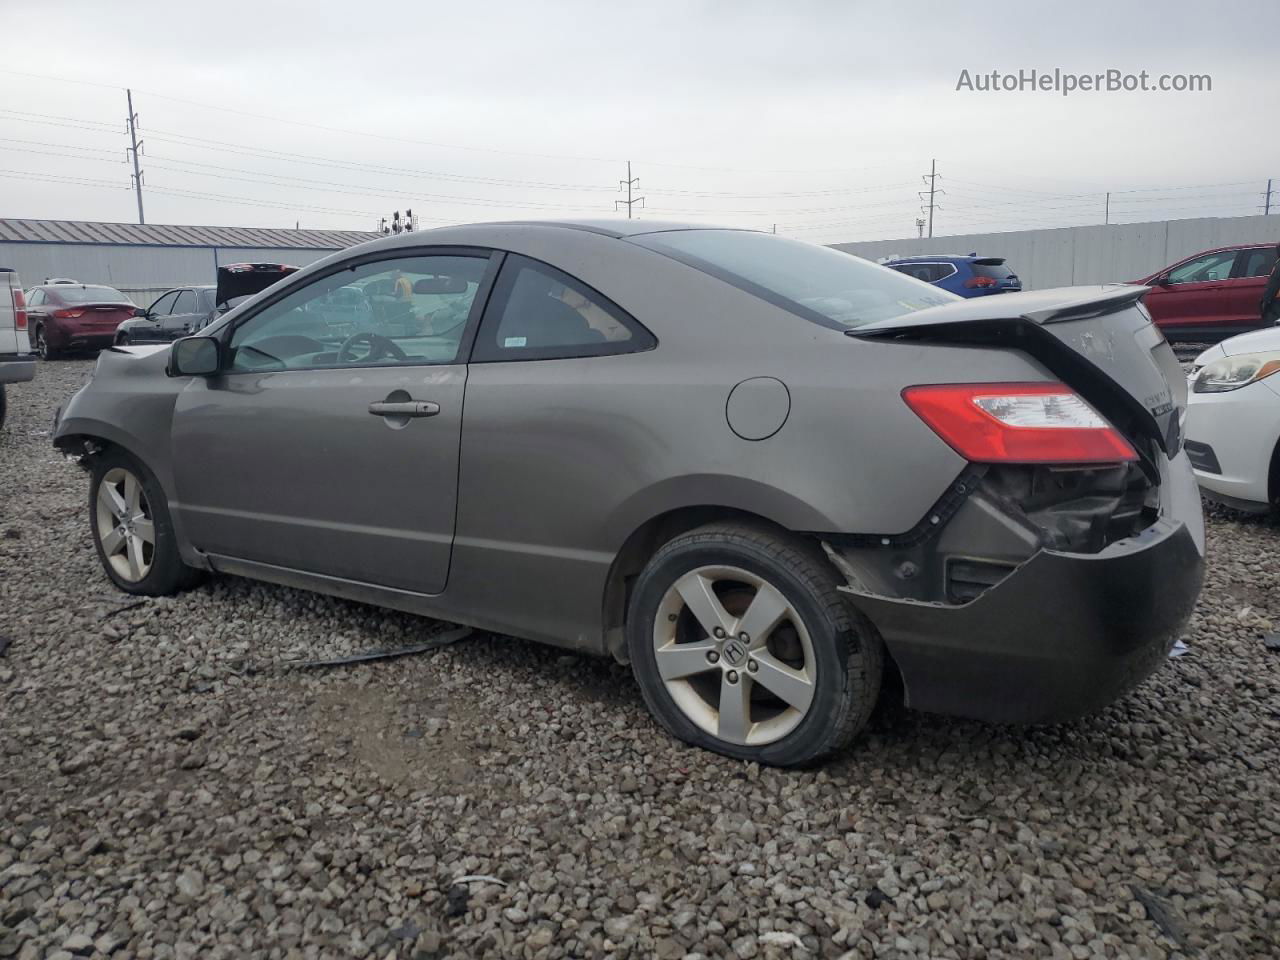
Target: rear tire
[(802, 687), (132, 530), (45, 351)]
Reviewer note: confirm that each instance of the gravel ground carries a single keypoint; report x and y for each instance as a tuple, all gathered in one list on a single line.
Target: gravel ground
[(169, 789)]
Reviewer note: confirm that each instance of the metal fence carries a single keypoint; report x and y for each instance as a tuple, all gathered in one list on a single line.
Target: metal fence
[(1080, 255)]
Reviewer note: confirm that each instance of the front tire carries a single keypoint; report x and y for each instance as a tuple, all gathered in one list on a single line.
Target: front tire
[(132, 530), (742, 644)]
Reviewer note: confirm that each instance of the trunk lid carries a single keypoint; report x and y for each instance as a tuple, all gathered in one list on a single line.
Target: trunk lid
[(1100, 341), (245, 279), (102, 315)]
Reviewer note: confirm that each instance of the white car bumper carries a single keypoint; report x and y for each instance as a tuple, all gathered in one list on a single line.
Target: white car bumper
[(1230, 440)]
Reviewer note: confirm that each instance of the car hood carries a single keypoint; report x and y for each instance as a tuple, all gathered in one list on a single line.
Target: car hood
[(142, 350), (246, 279), (1253, 342)]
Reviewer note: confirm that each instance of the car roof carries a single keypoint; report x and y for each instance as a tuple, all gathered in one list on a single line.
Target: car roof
[(1229, 246), (604, 226), (931, 258)]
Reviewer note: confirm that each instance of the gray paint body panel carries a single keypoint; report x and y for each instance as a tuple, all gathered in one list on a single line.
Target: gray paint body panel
[(559, 462)]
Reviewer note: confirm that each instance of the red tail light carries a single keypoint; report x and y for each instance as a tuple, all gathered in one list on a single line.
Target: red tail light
[(68, 314), (19, 309), (1018, 423), (974, 282)]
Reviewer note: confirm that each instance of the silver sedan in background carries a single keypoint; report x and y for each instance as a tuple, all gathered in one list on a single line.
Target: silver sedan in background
[(760, 471)]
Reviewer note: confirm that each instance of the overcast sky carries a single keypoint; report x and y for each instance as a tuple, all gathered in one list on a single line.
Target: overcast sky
[(819, 117)]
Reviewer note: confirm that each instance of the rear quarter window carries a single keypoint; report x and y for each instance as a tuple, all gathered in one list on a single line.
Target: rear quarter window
[(831, 288)]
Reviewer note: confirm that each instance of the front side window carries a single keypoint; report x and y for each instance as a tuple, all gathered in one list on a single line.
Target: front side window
[(826, 286), (541, 313), (1212, 266), (186, 302), (408, 310), (164, 306)]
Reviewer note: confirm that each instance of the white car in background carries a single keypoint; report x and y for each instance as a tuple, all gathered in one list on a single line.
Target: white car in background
[(1233, 421)]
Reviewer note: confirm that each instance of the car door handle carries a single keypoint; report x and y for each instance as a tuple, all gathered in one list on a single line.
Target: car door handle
[(404, 408)]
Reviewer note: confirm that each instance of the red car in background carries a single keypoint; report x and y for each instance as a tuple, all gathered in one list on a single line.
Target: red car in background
[(1212, 295), (74, 316)]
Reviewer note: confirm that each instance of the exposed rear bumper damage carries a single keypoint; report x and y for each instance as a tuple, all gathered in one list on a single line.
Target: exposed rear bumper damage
[(1057, 635)]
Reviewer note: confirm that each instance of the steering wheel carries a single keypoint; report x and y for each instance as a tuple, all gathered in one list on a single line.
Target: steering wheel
[(379, 347)]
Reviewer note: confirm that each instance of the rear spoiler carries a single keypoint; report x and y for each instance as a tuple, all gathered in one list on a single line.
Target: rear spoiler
[(1039, 307)]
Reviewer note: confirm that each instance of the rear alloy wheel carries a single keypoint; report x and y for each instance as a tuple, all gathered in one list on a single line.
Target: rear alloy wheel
[(45, 351), (742, 644), (129, 519)]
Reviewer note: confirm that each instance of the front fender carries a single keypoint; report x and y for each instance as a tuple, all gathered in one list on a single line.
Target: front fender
[(129, 402)]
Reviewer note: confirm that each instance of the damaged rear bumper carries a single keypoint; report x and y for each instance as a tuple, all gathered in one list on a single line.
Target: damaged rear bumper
[(1061, 636)]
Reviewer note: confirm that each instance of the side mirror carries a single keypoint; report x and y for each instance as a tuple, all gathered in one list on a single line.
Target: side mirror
[(140, 312), (195, 357)]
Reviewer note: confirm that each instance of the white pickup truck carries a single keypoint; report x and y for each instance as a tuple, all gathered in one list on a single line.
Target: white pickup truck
[(17, 363)]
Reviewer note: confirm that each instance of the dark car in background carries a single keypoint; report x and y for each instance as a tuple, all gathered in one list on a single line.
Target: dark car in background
[(62, 317), (966, 276), (186, 310), (1211, 295)]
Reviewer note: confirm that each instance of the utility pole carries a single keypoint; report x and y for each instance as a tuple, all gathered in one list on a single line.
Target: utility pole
[(775, 228), (1266, 209), (629, 183), (1106, 217), (931, 179), (133, 137)]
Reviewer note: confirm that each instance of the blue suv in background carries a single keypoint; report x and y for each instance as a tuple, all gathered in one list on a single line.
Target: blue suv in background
[(969, 276)]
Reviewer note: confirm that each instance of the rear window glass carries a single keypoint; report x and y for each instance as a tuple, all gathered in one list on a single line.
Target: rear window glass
[(1258, 263), (69, 294), (832, 288), (989, 268)]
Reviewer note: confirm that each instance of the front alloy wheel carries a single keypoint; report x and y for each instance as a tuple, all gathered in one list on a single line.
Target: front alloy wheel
[(125, 526), (131, 527)]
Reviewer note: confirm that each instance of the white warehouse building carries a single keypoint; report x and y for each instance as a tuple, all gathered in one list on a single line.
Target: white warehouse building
[(142, 261)]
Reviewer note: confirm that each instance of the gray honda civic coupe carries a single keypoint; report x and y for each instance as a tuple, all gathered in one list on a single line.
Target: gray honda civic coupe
[(763, 473)]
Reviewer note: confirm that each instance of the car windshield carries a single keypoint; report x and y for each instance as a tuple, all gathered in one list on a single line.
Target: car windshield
[(70, 294), (832, 288), (204, 299)]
